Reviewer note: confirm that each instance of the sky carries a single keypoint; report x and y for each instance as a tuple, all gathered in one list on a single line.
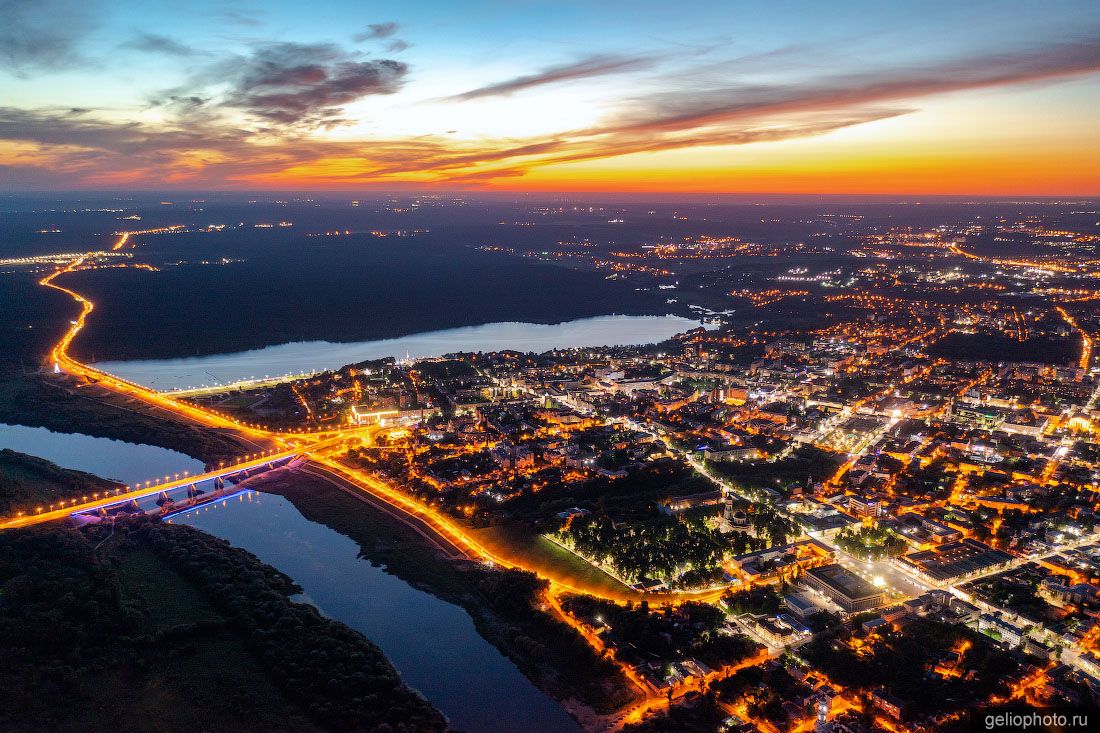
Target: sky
[(958, 98)]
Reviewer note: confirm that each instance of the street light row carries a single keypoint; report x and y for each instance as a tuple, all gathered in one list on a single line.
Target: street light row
[(152, 483)]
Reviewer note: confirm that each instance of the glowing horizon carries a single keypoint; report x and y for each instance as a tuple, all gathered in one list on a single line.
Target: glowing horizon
[(933, 98)]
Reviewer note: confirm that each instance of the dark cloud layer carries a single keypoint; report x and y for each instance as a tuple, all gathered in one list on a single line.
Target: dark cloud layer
[(77, 128), (94, 150), (685, 107), (588, 67), (303, 84)]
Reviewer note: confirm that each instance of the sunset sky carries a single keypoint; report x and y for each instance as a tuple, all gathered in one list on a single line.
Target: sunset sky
[(961, 97)]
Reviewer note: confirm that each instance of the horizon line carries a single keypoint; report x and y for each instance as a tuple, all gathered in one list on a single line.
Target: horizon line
[(499, 193)]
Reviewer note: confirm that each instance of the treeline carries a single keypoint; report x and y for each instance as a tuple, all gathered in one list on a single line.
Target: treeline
[(549, 649), (27, 482), (343, 680), (669, 633), (57, 403), (60, 616), (163, 625)]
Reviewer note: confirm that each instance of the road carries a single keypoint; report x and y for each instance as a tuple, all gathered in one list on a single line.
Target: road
[(324, 450), (243, 384), (318, 446), (142, 491)]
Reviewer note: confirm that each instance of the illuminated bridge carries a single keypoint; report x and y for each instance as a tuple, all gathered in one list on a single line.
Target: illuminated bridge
[(186, 488)]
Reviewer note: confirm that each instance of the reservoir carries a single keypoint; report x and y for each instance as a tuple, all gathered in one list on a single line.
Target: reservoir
[(311, 356)]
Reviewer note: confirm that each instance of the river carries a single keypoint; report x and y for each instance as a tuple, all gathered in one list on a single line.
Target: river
[(309, 356), (432, 643), (110, 459)]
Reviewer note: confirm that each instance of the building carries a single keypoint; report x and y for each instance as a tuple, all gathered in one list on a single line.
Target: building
[(800, 606), (938, 533), (677, 504), (733, 453), (845, 588), (1061, 594), (857, 430), (570, 514), (823, 520), (995, 626), (955, 560), (366, 415), (978, 416), (735, 519), (887, 703), (515, 457), (865, 506), (779, 630), (764, 566)]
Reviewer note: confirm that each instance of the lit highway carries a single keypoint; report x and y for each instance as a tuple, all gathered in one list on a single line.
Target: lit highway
[(318, 446), (141, 491), (322, 455)]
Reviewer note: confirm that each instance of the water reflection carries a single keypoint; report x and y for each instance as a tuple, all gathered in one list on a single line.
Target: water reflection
[(307, 356), (433, 644), (106, 458)]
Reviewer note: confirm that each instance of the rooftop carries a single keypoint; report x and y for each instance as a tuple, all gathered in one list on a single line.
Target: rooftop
[(844, 582)]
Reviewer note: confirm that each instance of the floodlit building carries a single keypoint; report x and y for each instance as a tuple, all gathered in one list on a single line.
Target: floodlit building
[(845, 588)]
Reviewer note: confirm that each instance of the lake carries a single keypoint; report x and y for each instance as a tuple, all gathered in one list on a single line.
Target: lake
[(310, 356)]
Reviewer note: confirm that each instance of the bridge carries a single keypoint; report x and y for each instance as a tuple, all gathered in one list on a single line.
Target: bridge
[(252, 464), (152, 488), (193, 496), (447, 534)]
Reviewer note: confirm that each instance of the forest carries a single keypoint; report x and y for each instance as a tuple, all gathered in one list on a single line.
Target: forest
[(905, 664), (27, 482), (163, 622), (662, 548), (669, 634)]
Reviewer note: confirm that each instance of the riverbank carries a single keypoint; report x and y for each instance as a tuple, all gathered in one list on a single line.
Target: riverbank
[(28, 481), (547, 651), (147, 625), (67, 404), (315, 356), (137, 620)]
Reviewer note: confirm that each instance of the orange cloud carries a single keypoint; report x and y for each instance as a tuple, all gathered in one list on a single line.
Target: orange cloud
[(651, 143)]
